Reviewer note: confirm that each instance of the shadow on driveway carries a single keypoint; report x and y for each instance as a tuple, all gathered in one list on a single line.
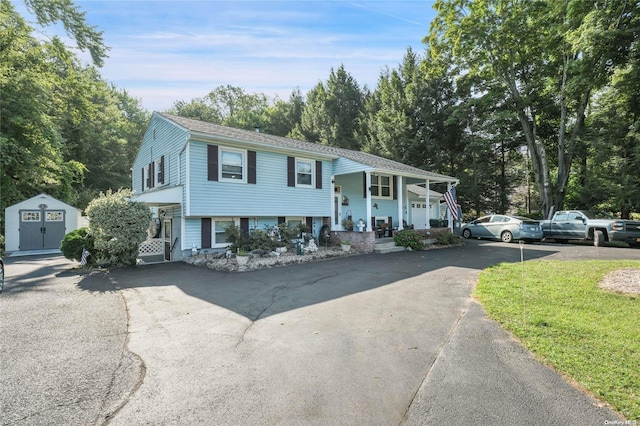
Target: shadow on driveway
[(258, 294)]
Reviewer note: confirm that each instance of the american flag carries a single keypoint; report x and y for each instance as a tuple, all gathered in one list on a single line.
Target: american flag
[(85, 256), (451, 198)]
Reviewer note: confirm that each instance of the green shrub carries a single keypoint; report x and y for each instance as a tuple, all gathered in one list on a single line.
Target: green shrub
[(118, 226), (73, 243), (447, 238), (259, 239), (409, 238), (237, 240)]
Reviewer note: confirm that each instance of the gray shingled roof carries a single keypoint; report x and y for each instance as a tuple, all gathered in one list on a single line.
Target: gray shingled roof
[(421, 191), (367, 159)]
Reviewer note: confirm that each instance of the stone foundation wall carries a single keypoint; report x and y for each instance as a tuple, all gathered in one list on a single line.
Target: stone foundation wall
[(361, 241)]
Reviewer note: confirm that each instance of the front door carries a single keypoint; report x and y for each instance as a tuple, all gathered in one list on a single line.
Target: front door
[(166, 226), (41, 229), (337, 207)]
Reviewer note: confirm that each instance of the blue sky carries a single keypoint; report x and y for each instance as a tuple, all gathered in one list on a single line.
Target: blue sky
[(163, 51)]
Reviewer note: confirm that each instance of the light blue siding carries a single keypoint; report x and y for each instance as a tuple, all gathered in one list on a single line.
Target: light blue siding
[(270, 196), (191, 235), (161, 138)]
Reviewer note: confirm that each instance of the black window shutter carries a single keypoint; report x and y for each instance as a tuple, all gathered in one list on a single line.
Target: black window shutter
[(390, 220), (291, 171), (142, 182), (310, 223), (244, 226), (251, 159), (212, 162), (161, 174), (364, 184), (152, 174), (319, 174), (373, 222), (205, 234), (281, 219), (395, 186)]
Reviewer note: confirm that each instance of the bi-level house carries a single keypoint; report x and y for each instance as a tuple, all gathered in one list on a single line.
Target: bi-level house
[(199, 178)]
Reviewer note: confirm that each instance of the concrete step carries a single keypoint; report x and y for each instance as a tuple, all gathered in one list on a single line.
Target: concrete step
[(387, 247)]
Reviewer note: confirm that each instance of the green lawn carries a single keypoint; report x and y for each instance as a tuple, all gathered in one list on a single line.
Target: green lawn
[(557, 311)]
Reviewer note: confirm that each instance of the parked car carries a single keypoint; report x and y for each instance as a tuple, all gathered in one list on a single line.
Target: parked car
[(503, 227), (1, 275)]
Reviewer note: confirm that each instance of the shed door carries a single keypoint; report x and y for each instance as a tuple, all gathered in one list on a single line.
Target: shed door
[(41, 229)]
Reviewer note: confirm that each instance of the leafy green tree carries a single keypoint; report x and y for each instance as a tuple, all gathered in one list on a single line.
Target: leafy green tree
[(118, 226), (548, 58), (73, 19), (332, 113), (229, 106), (612, 143), (283, 116), (32, 146)]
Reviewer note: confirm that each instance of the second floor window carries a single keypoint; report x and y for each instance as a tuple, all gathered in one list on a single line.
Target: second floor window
[(304, 173), (232, 165)]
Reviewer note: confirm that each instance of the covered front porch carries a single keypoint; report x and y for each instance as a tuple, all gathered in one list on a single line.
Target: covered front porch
[(385, 200)]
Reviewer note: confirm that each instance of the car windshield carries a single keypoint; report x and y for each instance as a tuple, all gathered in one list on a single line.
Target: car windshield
[(598, 215)]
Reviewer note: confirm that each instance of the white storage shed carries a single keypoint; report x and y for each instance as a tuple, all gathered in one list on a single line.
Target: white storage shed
[(39, 223)]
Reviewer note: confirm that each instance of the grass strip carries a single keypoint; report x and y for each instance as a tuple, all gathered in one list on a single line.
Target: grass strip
[(557, 311)]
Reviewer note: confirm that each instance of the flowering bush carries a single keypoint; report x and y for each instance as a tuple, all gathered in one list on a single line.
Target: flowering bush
[(118, 226)]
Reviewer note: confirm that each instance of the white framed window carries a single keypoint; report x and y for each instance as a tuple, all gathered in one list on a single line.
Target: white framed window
[(147, 181), (31, 216), (54, 216), (305, 173), (294, 220), (160, 178), (233, 165), (219, 236), (381, 186)]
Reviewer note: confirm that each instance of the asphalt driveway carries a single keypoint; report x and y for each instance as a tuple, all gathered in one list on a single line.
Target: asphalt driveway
[(373, 339)]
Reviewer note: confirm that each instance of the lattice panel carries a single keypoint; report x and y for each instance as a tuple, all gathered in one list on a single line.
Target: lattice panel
[(151, 247)]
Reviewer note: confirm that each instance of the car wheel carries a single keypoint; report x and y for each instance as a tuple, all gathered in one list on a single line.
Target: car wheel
[(598, 238), (506, 237), (466, 234)]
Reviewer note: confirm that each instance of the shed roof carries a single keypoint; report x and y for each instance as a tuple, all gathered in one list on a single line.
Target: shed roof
[(373, 161)]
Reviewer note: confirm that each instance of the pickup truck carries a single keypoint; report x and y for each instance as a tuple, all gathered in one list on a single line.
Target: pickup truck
[(593, 226)]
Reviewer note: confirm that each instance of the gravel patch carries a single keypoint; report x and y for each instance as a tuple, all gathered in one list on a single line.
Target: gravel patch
[(626, 280)]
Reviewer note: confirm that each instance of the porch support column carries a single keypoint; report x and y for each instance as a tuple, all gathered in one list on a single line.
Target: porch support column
[(367, 185), (449, 215), (333, 203), (426, 196), (400, 201)]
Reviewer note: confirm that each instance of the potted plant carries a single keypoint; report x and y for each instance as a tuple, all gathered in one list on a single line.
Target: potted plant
[(346, 245), (242, 257), (348, 224)]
